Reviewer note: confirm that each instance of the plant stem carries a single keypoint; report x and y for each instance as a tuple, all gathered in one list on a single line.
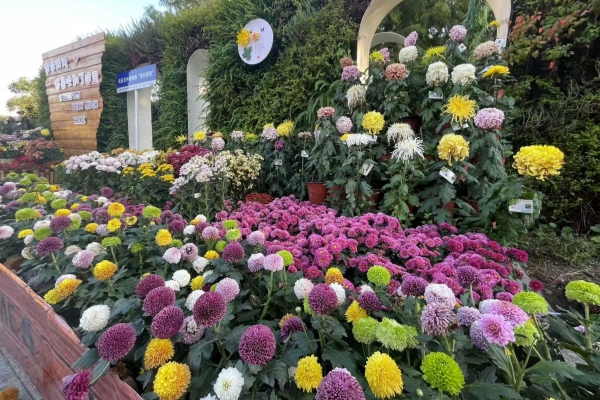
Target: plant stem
[(522, 371), (55, 262), (321, 334), (111, 288), (101, 374), (588, 333), (541, 332), (112, 251), (441, 395), (471, 292), (268, 297)]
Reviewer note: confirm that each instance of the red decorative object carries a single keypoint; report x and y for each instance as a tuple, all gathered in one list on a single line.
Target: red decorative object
[(259, 198)]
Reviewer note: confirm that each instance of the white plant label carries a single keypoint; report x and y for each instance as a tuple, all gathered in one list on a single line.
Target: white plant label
[(447, 174), (521, 206), (304, 154), (278, 162), (366, 169), (79, 120), (462, 47), (435, 95)]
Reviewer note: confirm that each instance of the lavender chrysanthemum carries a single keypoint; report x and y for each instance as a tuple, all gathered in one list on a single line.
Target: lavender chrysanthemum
[(496, 329), (511, 313), (350, 72), (189, 252), (369, 301), (273, 262), (210, 233), (167, 322), (59, 224), (477, 336), (290, 326), (468, 315), (339, 384), (172, 255), (322, 299), (102, 230), (485, 304), (255, 262), (411, 39), (257, 345), (49, 245), (458, 33), (413, 285), (256, 238), (233, 252), (467, 276), (489, 119), (437, 319), (116, 342), (209, 309), (190, 331), (157, 299), (83, 259), (440, 293), (228, 288), (147, 283)]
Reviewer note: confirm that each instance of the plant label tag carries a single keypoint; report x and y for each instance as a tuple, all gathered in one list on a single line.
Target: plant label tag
[(456, 127), (462, 47), (366, 169), (521, 206), (465, 126), (448, 175), (500, 43), (278, 162), (435, 95), (304, 154)]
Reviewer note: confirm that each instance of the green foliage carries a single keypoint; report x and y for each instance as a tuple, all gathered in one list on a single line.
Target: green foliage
[(25, 98), (43, 107)]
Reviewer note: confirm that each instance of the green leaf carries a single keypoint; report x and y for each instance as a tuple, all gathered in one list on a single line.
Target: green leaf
[(200, 350), (87, 360), (291, 356), (233, 338), (545, 371), (100, 369), (499, 358), (490, 391)]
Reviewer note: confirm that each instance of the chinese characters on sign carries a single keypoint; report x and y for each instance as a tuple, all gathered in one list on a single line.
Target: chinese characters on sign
[(79, 120), (69, 96), (88, 105), (56, 65), (135, 79), (79, 79)]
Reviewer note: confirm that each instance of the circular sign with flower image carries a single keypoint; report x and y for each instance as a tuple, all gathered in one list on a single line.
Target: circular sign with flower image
[(255, 41)]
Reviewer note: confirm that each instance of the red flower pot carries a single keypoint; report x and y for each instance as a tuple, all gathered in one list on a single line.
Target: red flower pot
[(317, 192)]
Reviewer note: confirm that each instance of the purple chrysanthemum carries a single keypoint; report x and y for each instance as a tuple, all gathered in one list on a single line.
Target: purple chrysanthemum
[(189, 252), (106, 192), (256, 238), (102, 230), (440, 293), (101, 216), (467, 276), (438, 319), (369, 301), (323, 257), (413, 285), (157, 299), (59, 224), (257, 345), (255, 262), (279, 145), (76, 386), (322, 299), (176, 226), (190, 331), (273, 262), (458, 33), (468, 315), (210, 233), (49, 245), (290, 326), (350, 72), (477, 336), (228, 288), (339, 384), (148, 283), (504, 296), (167, 322), (116, 342), (496, 329), (172, 255), (511, 313), (489, 118), (84, 259), (411, 39), (209, 309), (233, 252)]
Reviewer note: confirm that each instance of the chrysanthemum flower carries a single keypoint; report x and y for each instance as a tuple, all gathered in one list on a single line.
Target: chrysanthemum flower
[(322, 299), (172, 255), (192, 298), (532, 303), (583, 292), (228, 288), (396, 72), (147, 283), (211, 255), (113, 225), (67, 287), (408, 54), (467, 315), (257, 345), (525, 335), (512, 313), (172, 381), (164, 238), (413, 285), (157, 299), (396, 336), (453, 148), (182, 277), (463, 74), (151, 212), (441, 372), (309, 373), (167, 322), (273, 262), (256, 238), (539, 161), (302, 288), (433, 54), (243, 37), (339, 384), (95, 318), (116, 209), (229, 384), (294, 324), (190, 331), (458, 33), (116, 342), (373, 122), (364, 330), (158, 352), (209, 309), (437, 319), (496, 329), (285, 129), (495, 71), (489, 118), (383, 375), (379, 275), (334, 275), (233, 252), (91, 227), (355, 312), (460, 108), (369, 301), (104, 270), (49, 245)]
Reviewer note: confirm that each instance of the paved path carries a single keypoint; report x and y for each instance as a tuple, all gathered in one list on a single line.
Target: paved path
[(11, 375)]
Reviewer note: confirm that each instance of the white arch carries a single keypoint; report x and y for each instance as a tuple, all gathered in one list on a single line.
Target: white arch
[(197, 105), (379, 9), (386, 37)]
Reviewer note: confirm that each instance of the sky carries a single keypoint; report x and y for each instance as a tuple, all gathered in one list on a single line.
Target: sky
[(30, 28)]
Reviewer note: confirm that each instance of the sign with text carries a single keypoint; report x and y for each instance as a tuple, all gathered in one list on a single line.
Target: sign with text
[(135, 79)]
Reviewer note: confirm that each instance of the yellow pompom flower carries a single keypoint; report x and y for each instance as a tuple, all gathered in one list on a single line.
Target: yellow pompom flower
[(194, 221), (67, 287), (494, 24), (131, 220), (460, 108), (169, 178), (54, 188), (243, 38), (116, 209), (83, 198), (434, 53), (496, 70), (334, 275), (45, 132), (377, 57), (172, 381), (74, 206), (104, 270), (62, 212), (539, 161), (91, 227), (309, 374), (37, 214), (42, 200), (453, 148), (158, 352), (285, 129), (383, 375), (211, 255), (199, 136), (164, 238), (52, 297), (197, 282), (355, 312), (344, 137), (113, 225), (25, 232), (373, 122)]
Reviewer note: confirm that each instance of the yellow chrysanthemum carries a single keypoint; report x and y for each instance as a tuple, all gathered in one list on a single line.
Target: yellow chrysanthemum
[(194, 221), (539, 161), (334, 275), (116, 209), (344, 137), (164, 238), (131, 220), (373, 122), (42, 200), (494, 24), (67, 287), (104, 270), (181, 139), (453, 148), (158, 352), (376, 56), (84, 198), (172, 381), (434, 53), (285, 318), (169, 178), (383, 375), (309, 374), (113, 225), (25, 232), (285, 129), (211, 255), (91, 227), (62, 212), (355, 312), (197, 282), (165, 168), (52, 297), (37, 214), (45, 132), (460, 108), (496, 70), (243, 38), (127, 171)]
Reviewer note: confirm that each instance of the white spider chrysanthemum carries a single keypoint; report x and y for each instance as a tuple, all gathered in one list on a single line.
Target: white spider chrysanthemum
[(173, 285), (199, 264), (302, 288), (463, 74), (406, 150), (189, 230), (340, 292), (358, 139), (192, 299), (229, 384), (437, 73), (356, 95), (95, 318), (408, 53), (182, 277), (398, 132)]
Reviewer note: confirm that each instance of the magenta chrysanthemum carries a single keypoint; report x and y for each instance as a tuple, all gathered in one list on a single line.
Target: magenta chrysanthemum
[(209, 309), (511, 313), (49, 245), (256, 238), (458, 33), (228, 288), (290, 326), (257, 345), (273, 262), (84, 259), (468, 315), (496, 329), (59, 224), (189, 252), (536, 286), (322, 299), (467, 276), (190, 331), (157, 299), (411, 39), (369, 301), (210, 233), (116, 342), (438, 319), (413, 285), (233, 252), (489, 119), (339, 384), (147, 283), (167, 322), (76, 387)]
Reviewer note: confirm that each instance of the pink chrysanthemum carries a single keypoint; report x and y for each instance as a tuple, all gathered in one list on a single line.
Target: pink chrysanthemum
[(536, 285), (147, 283), (172, 255), (116, 342), (339, 384), (511, 313), (468, 315), (257, 345), (209, 309), (343, 125), (76, 386), (233, 252), (396, 72), (328, 112), (467, 276), (351, 72), (189, 252), (489, 119), (438, 319), (190, 331), (167, 322), (411, 39), (256, 238), (255, 262), (273, 262), (84, 259), (322, 299), (496, 329), (228, 288), (210, 233), (157, 299), (458, 33), (477, 336)]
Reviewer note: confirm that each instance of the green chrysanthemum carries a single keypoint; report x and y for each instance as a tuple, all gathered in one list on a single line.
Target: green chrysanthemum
[(25, 182), (42, 233), (177, 243), (307, 308), (85, 215), (364, 330), (111, 241), (583, 292), (230, 224), (213, 287), (288, 258), (396, 336), (75, 224), (151, 212), (29, 198), (233, 234), (58, 203), (12, 176), (220, 246), (379, 275), (137, 247), (441, 372), (48, 196), (40, 187), (531, 303), (525, 334), (25, 214)]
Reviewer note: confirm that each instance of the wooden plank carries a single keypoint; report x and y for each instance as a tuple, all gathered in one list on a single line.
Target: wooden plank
[(51, 90), (88, 92), (70, 125), (68, 115), (68, 105), (89, 62), (99, 37), (88, 134)]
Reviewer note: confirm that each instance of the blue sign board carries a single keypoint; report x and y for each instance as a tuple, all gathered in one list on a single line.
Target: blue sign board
[(138, 78)]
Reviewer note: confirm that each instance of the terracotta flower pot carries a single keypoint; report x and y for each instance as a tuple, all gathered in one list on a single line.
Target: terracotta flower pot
[(317, 192), (474, 204), (450, 207), (414, 122)]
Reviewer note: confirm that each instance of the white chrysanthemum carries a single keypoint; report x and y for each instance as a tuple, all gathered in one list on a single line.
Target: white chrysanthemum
[(173, 285), (440, 293), (95, 318), (27, 253), (72, 249), (200, 218), (302, 288), (182, 277), (189, 230), (95, 248), (437, 73), (209, 397), (358, 139), (101, 200), (28, 239), (408, 53), (199, 264), (398, 132), (340, 292), (463, 74), (63, 278), (365, 288), (41, 224), (356, 95), (192, 299), (229, 384), (75, 216), (485, 304), (406, 150)]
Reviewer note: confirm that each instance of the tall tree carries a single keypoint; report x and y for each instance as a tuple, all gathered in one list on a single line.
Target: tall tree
[(26, 98), (476, 22)]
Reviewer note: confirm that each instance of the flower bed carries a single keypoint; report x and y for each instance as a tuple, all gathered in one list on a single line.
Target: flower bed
[(29, 150)]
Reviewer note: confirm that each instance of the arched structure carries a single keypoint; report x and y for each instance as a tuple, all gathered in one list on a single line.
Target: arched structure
[(197, 106), (379, 9)]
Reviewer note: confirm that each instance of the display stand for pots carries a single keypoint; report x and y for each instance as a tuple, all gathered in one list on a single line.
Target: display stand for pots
[(317, 192)]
